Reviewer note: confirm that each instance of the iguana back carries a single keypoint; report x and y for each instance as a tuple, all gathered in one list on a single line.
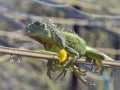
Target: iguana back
[(74, 41)]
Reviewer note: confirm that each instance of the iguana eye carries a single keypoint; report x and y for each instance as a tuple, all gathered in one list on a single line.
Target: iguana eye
[(37, 23)]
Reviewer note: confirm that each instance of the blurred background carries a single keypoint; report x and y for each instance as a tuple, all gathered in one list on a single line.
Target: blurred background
[(96, 21)]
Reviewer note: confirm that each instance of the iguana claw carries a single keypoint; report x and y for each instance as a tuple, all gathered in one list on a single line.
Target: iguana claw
[(80, 74), (98, 66), (49, 73), (54, 66)]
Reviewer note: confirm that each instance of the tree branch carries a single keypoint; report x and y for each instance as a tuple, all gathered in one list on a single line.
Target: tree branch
[(46, 55)]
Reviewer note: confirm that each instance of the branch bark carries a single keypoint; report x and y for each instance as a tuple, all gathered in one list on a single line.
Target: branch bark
[(46, 55)]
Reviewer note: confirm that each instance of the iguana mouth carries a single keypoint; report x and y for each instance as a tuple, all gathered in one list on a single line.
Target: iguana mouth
[(27, 30), (41, 38)]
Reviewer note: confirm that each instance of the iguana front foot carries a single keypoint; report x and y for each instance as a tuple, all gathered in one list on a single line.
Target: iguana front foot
[(80, 74), (51, 68), (62, 73), (57, 65), (49, 73)]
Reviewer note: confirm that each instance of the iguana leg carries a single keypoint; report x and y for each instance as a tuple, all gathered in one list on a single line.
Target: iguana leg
[(65, 64), (74, 54), (82, 71), (96, 58), (79, 72), (98, 66), (62, 73), (81, 75), (51, 67)]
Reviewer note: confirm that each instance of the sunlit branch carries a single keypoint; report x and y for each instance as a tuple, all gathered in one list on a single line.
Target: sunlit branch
[(46, 55)]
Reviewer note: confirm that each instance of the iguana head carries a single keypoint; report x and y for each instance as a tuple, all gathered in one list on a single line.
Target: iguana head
[(38, 28), (46, 31)]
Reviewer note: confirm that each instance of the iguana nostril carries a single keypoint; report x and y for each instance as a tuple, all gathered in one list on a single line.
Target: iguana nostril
[(27, 30)]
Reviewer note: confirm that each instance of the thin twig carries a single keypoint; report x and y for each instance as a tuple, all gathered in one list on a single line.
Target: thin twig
[(46, 55), (27, 53)]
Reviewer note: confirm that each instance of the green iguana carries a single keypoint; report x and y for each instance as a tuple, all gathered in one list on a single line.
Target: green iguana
[(69, 47)]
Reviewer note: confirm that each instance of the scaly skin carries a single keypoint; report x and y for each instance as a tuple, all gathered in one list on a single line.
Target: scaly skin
[(66, 45)]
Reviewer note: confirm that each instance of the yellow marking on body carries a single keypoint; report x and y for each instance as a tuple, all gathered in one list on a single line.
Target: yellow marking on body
[(62, 55)]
